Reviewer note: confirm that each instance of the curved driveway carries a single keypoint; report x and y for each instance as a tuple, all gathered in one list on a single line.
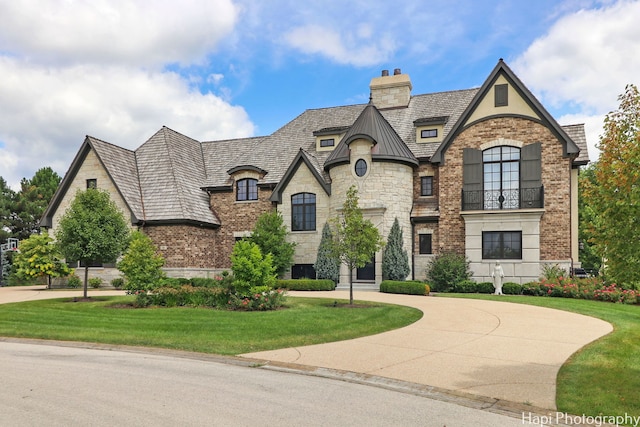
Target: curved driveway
[(499, 350), (503, 351)]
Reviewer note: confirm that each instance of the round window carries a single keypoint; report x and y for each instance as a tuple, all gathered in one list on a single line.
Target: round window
[(361, 167)]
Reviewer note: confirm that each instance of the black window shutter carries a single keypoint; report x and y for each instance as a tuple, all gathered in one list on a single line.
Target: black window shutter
[(472, 169), (531, 166)]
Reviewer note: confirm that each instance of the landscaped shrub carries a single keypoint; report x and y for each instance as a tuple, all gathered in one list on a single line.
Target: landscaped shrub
[(205, 282), (259, 301), (589, 288), (466, 287), (445, 270), (327, 266), (191, 296), (74, 281), (410, 287), (117, 283), (95, 282), (306, 285), (485, 288), (395, 261), (250, 268), (511, 288), (141, 264), (531, 288)]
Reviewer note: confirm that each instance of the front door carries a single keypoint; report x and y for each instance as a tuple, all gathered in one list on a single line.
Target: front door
[(368, 272)]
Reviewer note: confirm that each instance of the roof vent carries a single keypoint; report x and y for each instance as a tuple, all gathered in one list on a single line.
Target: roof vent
[(397, 71), (385, 73)]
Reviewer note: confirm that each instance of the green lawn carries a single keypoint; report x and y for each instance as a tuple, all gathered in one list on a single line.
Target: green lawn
[(304, 321), (604, 377)]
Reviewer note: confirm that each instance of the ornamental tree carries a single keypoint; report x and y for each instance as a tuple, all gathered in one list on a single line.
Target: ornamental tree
[(250, 268), (92, 229), (614, 195), (395, 261), (141, 264), (38, 256), (327, 266), (270, 234), (356, 239)]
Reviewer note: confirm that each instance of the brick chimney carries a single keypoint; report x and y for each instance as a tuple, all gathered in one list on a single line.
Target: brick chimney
[(391, 91)]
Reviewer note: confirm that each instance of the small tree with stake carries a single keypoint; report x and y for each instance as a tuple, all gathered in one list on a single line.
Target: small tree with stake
[(355, 239), (92, 229)]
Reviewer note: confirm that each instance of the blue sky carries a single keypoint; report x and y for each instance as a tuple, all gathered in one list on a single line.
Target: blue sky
[(215, 69)]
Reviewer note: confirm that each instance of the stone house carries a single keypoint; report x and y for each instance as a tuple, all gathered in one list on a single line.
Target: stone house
[(486, 172)]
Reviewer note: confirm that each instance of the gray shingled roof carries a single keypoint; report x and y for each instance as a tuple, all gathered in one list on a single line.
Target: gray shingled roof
[(576, 133), (371, 125), (171, 170)]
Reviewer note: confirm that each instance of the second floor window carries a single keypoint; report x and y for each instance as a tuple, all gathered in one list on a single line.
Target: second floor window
[(247, 189), (303, 212), (501, 167), (426, 186)]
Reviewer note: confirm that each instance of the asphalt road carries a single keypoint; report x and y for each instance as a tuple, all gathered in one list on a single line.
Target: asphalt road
[(67, 386)]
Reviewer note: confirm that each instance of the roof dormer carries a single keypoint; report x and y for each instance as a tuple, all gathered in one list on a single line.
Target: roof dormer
[(430, 129), (328, 138)]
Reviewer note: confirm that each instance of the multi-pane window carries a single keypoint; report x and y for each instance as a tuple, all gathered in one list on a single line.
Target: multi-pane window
[(329, 142), (361, 167), (303, 212), (247, 189), (502, 245), (425, 244), (426, 186), (303, 271), (501, 168), (429, 133)]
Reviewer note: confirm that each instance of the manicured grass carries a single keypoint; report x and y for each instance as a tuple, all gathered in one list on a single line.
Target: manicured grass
[(604, 376), (304, 321)]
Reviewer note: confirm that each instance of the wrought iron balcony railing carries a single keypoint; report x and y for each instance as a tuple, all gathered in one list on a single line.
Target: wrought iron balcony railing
[(523, 198)]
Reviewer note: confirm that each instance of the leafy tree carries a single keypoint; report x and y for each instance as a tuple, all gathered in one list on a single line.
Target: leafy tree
[(395, 261), (250, 268), (32, 200), (356, 239), (447, 270), (92, 229), (7, 196), (141, 264), (615, 192), (327, 266), (38, 256), (589, 258), (270, 234)]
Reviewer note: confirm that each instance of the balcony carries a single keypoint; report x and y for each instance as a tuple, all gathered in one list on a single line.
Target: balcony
[(523, 198)]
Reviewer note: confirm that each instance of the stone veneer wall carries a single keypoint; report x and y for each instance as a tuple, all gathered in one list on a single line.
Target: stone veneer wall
[(307, 242), (385, 192), (91, 168)]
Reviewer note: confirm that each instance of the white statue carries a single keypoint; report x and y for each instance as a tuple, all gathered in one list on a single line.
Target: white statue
[(497, 274)]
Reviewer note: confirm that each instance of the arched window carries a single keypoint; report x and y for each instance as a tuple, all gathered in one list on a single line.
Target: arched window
[(501, 169), (247, 189), (303, 212)]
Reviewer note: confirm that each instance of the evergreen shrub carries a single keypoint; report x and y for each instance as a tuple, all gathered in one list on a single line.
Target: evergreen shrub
[(307, 284), (409, 287)]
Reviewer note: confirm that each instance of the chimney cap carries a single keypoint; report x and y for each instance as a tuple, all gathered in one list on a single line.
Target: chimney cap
[(385, 73), (397, 71)]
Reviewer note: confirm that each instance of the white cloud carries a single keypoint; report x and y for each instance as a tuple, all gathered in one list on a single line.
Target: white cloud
[(358, 48), (585, 61), (138, 32), (46, 112)]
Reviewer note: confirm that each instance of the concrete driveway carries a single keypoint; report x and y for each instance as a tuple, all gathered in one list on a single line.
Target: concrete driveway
[(510, 352), (500, 350)]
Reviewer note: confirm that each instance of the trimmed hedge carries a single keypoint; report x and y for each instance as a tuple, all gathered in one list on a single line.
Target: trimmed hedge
[(410, 287), (511, 288), (306, 284)]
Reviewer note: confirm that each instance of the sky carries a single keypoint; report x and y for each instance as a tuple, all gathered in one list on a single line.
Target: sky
[(119, 70)]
